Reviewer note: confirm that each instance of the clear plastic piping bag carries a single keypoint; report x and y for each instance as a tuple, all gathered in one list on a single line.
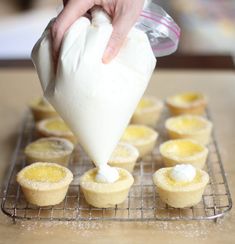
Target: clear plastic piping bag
[(162, 31)]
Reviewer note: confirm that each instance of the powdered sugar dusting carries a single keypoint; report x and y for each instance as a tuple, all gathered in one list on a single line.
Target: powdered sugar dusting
[(189, 229)]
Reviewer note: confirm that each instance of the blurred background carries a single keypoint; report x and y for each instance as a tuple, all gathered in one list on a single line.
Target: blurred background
[(208, 26)]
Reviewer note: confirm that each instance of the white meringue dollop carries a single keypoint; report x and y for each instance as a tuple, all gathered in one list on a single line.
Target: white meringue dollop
[(183, 173), (106, 174)]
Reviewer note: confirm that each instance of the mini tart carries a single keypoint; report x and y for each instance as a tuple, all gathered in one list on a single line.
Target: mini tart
[(51, 149), (105, 195), (187, 103), (124, 156), (148, 111), (142, 137), (191, 127), (183, 151), (180, 194), (44, 184), (55, 127), (41, 109)]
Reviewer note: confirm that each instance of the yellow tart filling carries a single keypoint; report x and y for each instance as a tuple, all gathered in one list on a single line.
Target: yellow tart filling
[(121, 151), (136, 132), (57, 125), (181, 148), (42, 103), (186, 98), (44, 173), (145, 103), (46, 146), (124, 153), (186, 124)]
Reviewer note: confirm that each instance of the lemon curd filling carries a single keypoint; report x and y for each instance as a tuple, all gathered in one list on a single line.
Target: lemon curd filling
[(134, 133), (46, 146), (187, 98), (144, 103), (170, 181), (182, 148), (57, 125), (47, 173), (124, 156), (188, 124), (121, 151), (44, 103)]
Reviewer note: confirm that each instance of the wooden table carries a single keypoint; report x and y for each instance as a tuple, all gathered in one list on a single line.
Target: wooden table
[(19, 86)]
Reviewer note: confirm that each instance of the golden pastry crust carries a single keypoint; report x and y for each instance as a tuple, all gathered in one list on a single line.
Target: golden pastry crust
[(104, 195), (142, 137), (41, 109), (180, 194), (55, 127), (187, 103), (191, 127), (124, 156), (44, 184), (148, 111), (183, 151), (50, 149)]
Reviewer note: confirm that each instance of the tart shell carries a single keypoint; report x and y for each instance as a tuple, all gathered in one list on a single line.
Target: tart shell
[(61, 157), (104, 195), (181, 195), (42, 112), (144, 145), (44, 193), (149, 115), (197, 159), (196, 107), (202, 136), (44, 132), (128, 162)]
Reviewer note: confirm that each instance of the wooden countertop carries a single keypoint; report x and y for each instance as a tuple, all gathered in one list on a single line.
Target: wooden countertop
[(19, 86)]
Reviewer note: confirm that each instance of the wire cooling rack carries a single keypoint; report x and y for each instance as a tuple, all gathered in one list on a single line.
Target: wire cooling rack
[(142, 204)]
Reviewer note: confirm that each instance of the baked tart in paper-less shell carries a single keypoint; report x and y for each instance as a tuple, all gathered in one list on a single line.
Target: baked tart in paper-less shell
[(183, 151), (191, 127), (42, 109), (44, 184), (148, 111), (105, 195), (124, 156), (187, 103), (177, 193), (55, 127), (142, 137), (49, 149)]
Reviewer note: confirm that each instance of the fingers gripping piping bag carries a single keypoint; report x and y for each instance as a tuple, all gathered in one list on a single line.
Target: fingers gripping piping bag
[(97, 100)]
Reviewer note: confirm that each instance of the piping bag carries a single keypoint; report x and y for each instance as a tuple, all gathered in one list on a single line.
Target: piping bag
[(97, 100)]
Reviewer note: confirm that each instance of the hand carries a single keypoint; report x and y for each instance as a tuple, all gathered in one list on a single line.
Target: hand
[(124, 14)]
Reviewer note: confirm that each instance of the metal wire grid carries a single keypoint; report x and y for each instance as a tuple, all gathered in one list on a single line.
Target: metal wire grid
[(143, 203)]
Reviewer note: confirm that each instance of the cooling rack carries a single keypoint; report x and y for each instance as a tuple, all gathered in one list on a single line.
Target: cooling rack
[(142, 204)]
